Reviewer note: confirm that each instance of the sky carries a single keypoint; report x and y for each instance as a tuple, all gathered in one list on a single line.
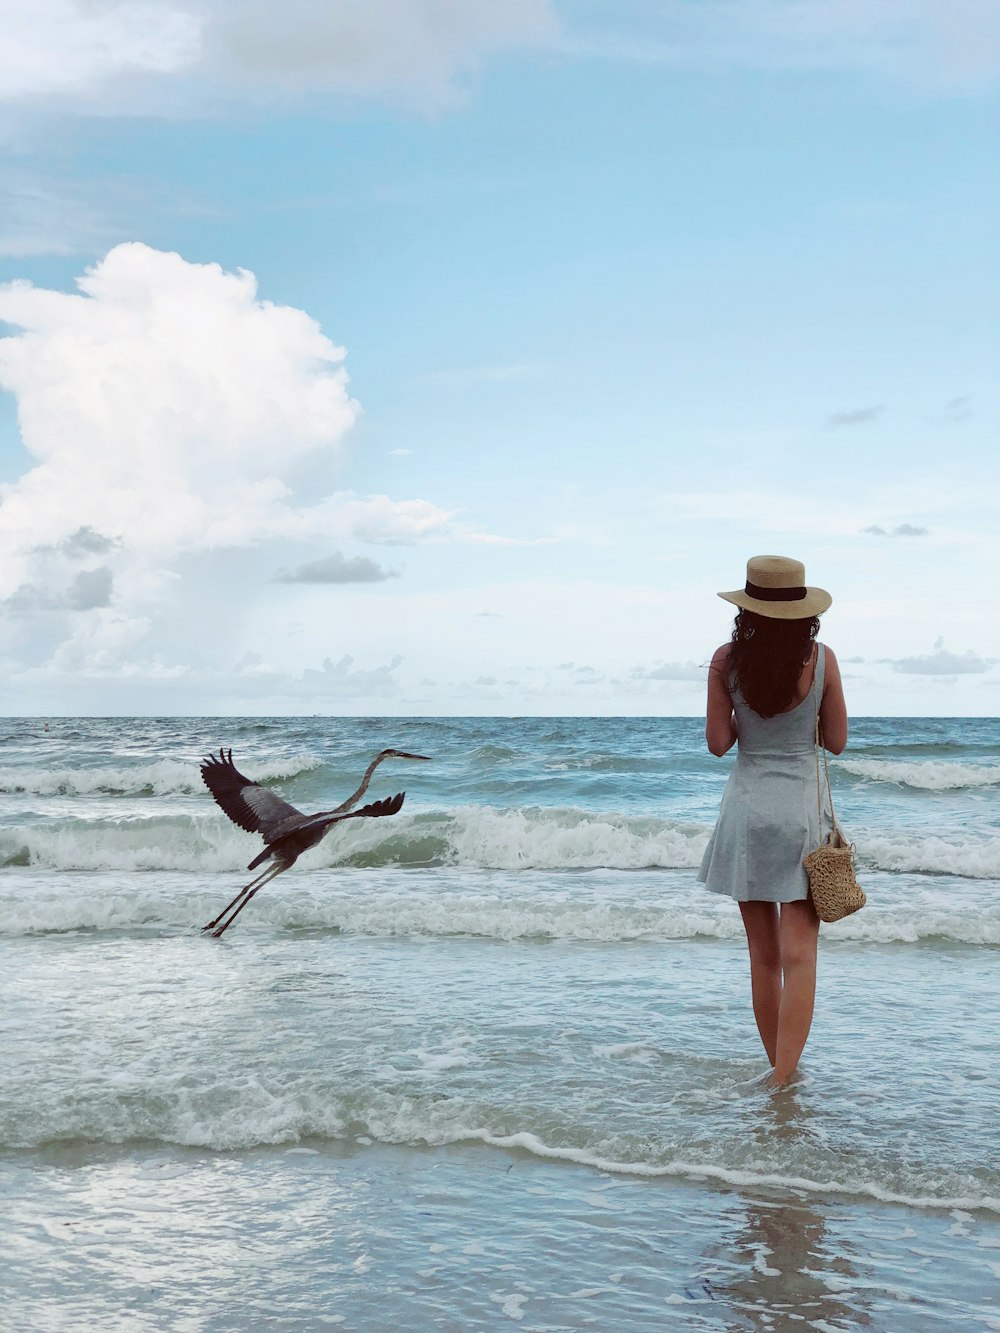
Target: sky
[(408, 357)]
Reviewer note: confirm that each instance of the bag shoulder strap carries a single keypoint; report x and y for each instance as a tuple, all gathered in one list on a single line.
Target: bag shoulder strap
[(817, 692)]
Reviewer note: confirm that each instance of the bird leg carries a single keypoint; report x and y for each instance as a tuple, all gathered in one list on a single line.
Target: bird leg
[(257, 880), (257, 885)]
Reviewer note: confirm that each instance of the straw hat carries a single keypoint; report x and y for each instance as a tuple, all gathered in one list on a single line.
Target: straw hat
[(776, 587)]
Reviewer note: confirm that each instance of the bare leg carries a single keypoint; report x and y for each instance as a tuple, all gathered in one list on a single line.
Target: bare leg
[(259, 879), (258, 885), (760, 921), (798, 933)]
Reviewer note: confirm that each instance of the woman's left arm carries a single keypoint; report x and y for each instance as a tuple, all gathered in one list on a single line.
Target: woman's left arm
[(833, 711), (720, 724)]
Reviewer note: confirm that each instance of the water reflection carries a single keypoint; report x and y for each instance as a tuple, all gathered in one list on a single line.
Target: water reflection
[(778, 1262)]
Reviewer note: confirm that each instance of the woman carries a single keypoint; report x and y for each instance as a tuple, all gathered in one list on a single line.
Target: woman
[(765, 688)]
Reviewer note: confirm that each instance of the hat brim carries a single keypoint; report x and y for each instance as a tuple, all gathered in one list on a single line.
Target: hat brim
[(815, 602)]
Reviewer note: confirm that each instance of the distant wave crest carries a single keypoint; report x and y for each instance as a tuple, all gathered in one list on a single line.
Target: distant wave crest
[(927, 775), (162, 777)]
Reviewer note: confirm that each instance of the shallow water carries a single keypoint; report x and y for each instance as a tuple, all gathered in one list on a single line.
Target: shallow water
[(480, 1065), (369, 1237)]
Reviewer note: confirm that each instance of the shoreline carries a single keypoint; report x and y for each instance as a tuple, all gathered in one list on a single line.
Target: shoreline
[(371, 1236)]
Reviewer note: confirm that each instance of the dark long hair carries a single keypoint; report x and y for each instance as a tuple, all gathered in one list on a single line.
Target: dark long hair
[(766, 659)]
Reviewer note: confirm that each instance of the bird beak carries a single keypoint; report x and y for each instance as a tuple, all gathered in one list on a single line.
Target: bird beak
[(401, 754)]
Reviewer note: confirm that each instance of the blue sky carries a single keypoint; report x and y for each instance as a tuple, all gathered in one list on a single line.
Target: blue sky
[(625, 294)]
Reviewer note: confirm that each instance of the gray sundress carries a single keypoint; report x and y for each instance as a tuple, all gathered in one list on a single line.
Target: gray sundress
[(769, 819)]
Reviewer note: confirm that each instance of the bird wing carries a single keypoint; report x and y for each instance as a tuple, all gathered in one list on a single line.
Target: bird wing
[(391, 805), (246, 802)]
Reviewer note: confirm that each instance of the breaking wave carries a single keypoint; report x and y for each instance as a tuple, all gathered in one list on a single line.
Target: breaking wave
[(477, 836), (929, 775)]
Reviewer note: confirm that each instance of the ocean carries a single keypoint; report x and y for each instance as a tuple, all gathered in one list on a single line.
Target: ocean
[(490, 1063)]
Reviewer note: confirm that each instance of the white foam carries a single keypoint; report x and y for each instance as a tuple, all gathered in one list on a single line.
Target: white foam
[(971, 855), (476, 836), (533, 1144), (162, 777), (479, 836), (928, 775), (510, 1303), (416, 904), (237, 1111), (168, 842), (550, 839)]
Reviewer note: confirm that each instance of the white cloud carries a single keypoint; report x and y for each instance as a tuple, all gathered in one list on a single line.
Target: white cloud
[(73, 47), (165, 56), (101, 54), (385, 522), (941, 662), (165, 405), (151, 56), (176, 423)]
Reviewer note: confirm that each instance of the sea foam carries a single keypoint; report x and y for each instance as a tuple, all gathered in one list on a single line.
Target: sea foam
[(162, 777), (478, 836), (596, 907), (239, 1111), (926, 775)]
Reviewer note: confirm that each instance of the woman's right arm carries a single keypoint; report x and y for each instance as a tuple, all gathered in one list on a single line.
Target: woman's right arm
[(720, 724), (833, 710)]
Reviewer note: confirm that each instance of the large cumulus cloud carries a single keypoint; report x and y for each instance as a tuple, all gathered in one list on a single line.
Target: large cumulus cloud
[(164, 404), (176, 422)]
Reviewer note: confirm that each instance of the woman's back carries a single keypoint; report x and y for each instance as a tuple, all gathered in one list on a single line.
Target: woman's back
[(790, 732), (769, 819)]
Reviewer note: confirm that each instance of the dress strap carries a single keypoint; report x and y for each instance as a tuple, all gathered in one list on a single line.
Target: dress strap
[(819, 745)]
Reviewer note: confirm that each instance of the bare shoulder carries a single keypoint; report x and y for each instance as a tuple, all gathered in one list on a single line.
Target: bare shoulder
[(833, 712), (718, 672), (830, 658)]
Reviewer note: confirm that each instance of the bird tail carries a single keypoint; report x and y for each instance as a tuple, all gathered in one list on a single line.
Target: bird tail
[(260, 858)]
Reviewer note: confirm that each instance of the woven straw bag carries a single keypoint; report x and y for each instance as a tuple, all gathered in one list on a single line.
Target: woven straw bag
[(834, 890)]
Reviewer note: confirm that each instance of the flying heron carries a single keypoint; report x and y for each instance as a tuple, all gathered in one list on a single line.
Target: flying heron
[(287, 832)]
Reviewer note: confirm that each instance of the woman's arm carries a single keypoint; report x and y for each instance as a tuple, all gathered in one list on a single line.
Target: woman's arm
[(833, 710), (720, 724)]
